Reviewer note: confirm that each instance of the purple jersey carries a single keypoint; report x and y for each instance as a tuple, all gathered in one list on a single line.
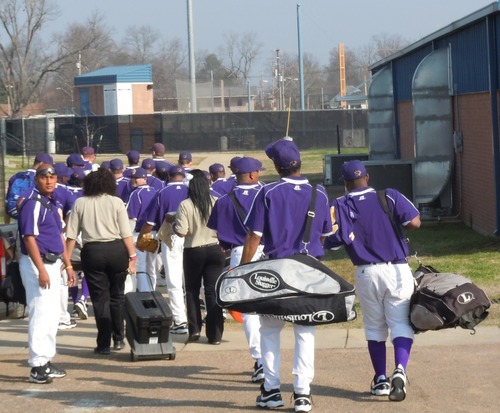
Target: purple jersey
[(127, 173), (361, 224), (41, 217), (123, 189), (155, 183), (279, 213), (224, 218), (166, 201), (138, 203), (64, 197), (224, 186)]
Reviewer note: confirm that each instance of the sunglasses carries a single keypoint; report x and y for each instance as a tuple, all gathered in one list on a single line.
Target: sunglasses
[(47, 171)]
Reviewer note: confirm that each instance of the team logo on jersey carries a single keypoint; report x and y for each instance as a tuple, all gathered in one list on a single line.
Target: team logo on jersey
[(297, 188), (465, 298), (245, 192), (264, 281)]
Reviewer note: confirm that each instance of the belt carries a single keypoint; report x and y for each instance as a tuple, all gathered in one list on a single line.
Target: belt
[(204, 246), (388, 262)]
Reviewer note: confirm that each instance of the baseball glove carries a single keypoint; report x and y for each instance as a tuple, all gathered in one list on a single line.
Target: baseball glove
[(147, 243)]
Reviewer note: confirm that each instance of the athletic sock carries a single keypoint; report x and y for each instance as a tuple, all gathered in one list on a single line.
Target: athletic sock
[(378, 356), (402, 349)]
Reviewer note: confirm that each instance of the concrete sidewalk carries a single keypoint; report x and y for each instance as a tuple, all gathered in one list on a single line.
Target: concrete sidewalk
[(449, 370)]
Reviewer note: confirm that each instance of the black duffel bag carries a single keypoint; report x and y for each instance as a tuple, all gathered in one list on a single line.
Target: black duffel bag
[(299, 289)]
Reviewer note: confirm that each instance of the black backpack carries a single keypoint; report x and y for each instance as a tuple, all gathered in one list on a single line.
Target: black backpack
[(12, 288), (445, 300)]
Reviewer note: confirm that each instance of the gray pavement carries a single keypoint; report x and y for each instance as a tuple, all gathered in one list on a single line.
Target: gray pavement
[(449, 370)]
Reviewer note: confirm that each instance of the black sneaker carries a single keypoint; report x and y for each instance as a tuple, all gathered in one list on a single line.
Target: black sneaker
[(269, 399), (258, 375), (380, 386), (54, 372), (302, 402), (40, 375), (398, 385), (180, 328)]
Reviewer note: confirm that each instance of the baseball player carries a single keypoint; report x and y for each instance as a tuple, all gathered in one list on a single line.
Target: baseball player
[(122, 183), (137, 205), (384, 281), (133, 158), (278, 216), (43, 252), (163, 207), (231, 232)]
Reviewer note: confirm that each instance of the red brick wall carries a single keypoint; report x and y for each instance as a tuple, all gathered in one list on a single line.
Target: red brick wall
[(405, 114), (474, 196), (474, 168)]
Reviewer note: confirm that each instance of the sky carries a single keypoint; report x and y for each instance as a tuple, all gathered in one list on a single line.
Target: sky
[(324, 23)]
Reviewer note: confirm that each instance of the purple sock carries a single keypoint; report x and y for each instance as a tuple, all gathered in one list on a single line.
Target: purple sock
[(377, 356), (85, 290), (402, 348), (73, 291)]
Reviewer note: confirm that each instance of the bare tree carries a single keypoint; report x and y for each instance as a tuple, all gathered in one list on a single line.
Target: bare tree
[(240, 52), (290, 82), (25, 62), (141, 43)]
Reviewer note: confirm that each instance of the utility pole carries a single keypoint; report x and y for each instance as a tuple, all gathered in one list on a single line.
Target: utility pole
[(279, 80), (343, 88), (192, 64)]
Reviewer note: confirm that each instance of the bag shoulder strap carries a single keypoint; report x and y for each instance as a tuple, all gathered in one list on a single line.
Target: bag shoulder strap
[(237, 206), (381, 194), (306, 237)]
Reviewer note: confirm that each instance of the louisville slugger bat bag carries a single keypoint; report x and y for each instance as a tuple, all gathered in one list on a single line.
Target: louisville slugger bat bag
[(299, 289), (445, 300)]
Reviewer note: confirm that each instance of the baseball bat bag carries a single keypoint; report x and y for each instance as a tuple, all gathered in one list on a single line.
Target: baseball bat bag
[(299, 289), (445, 300)]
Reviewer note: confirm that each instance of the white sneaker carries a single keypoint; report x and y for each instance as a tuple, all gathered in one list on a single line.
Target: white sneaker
[(68, 325), (81, 309)]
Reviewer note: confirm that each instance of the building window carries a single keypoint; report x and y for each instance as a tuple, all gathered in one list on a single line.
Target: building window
[(240, 102)]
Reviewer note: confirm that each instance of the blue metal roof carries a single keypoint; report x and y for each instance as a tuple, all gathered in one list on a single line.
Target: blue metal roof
[(116, 74)]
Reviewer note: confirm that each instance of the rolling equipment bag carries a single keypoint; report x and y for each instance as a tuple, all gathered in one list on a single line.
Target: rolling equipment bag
[(148, 321)]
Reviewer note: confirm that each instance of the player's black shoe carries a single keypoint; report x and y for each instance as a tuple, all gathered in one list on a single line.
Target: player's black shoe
[(302, 402), (398, 385), (269, 399), (40, 375), (380, 386)]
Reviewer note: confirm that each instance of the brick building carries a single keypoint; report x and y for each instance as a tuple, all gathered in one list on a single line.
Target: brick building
[(436, 104)]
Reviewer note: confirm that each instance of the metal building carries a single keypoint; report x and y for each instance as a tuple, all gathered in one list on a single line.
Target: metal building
[(435, 104)]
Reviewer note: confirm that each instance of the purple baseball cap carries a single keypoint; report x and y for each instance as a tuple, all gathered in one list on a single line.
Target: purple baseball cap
[(74, 160), (105, 165), (353, 170), (139, 173), (284, 153), (246, 165), (148, 164), (185, 156), (77, 174), (133, 156), (88, 150), (62, 169), (233, 161), (177, 170), (216, 168), (44, 158), (116, 164)]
